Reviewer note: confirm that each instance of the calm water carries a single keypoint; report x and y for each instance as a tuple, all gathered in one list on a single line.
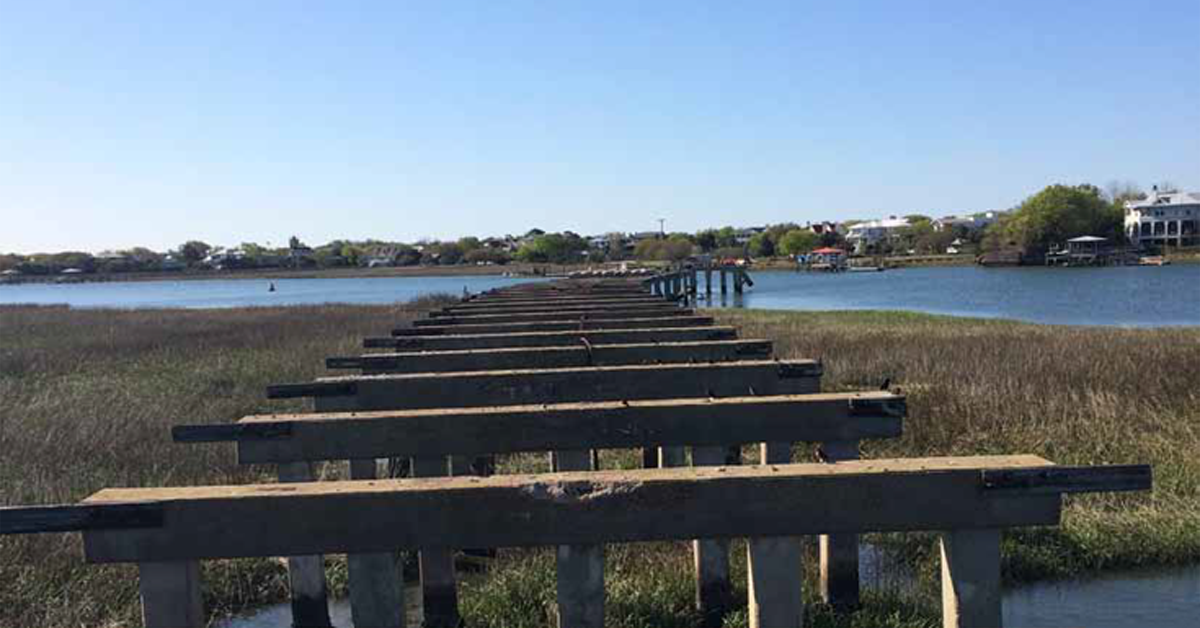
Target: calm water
[(1125, 296), (1129, 296), (217, 293)]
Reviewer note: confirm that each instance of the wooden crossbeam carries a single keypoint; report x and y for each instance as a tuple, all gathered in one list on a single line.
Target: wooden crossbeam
[(524, 386), (563, 426), (557, 325), (571, 508), (535, 317), (555, 357), (544, 304), (549, 338)]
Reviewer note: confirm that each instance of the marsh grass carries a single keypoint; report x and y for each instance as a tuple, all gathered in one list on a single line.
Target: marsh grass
[(87, 398)]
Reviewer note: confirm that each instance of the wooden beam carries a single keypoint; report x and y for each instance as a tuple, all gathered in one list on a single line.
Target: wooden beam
[(553, 315), (76, 518), (1133, 477), (550, 338), (546, 306), (570, 509), (571, 426), (558, 325), (555, 357), (596, 383)]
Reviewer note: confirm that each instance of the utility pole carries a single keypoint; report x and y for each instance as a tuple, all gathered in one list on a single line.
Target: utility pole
[(662, 233)]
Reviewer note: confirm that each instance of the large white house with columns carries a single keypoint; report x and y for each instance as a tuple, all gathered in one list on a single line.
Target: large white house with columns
[(1164, 218)]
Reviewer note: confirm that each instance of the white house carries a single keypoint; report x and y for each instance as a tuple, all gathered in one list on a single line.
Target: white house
[(972, 222), (871, 232), (1164, 218)]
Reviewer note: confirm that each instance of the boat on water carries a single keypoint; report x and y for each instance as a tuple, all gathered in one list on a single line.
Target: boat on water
[(865, 269), (1153, 260)]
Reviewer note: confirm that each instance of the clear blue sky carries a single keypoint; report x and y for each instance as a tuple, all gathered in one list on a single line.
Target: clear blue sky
[(150, 123)]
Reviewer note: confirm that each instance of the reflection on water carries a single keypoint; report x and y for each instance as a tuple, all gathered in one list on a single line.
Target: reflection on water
[(1122, 296), (1131, 600)]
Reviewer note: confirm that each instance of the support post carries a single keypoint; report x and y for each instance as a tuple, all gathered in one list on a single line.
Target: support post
[(839, 552), (774, 567), (714, 592), (708, 280), (724, 287), (439, 594), (671, 457), (737, 281), (580, 593), (971, 579), (171, 596), (376, 586), (306, 574)]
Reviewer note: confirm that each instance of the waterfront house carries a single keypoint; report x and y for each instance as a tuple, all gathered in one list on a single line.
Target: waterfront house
[(827, 258), (871, 232), (1164, 218), (1082, 251)]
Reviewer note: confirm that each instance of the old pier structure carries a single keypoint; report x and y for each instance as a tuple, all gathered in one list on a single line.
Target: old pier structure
[(571, 369)]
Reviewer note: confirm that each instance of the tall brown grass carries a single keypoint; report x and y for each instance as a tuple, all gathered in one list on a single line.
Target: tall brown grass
[(87, 398)]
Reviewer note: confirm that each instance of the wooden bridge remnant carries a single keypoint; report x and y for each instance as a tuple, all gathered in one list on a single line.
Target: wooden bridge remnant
[(572, 369)]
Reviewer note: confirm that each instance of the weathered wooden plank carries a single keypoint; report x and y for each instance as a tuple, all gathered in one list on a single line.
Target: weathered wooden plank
[(596, 383), (76, 517), (971, 592), (774, 573), (571, 508), (1131, 477), (306, 572), (838, 553), (568, 426), (559, 325), (554, 315), (573, 307), (376, 583), (550, 339), (554, 357), (439, 591), (171, 594), (580, 568), (710, 557)]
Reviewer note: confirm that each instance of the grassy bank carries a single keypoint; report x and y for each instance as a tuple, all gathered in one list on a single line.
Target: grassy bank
[(87, 398)]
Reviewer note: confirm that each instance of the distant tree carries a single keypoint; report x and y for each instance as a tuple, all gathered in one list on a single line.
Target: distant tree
[(730, 252), (353, 254), (10, 261), (1060, 212), (558, 248), (798, 241), (449, 253), (761, 245), (707, 240), (295, 243), (676, 248), (469, 243), (193, 251), (726, 237)]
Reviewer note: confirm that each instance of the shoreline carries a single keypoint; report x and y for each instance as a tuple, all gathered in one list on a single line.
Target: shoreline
[(515, 269)]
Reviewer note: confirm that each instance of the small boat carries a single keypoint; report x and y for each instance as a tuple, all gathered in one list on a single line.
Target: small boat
[(1153, 260), (865, 269)]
